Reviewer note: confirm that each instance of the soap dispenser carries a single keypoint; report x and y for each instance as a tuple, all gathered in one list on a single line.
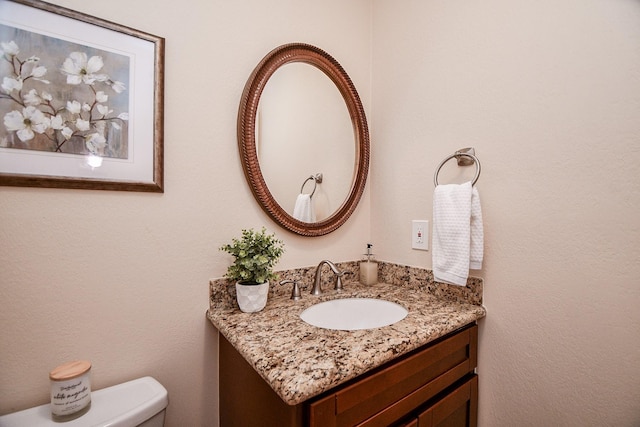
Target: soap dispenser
[(368, 268)]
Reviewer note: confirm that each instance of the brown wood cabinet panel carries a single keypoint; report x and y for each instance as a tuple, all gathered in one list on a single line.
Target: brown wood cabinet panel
[(403, 376), (415, 399), (413, 422), (323, 412), (246, 399), (386, 395), (459, 408), (406, 383)]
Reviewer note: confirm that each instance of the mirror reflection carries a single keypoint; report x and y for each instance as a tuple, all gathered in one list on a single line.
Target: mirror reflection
[(304, 129), (300, 117)]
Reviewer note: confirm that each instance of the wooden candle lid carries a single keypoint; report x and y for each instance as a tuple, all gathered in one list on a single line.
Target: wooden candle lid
[(70, 370)]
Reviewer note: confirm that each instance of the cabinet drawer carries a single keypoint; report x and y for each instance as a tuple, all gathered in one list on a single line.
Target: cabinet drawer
[(400, 387)]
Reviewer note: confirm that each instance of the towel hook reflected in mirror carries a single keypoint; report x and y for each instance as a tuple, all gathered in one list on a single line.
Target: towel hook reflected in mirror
[(317, 179)]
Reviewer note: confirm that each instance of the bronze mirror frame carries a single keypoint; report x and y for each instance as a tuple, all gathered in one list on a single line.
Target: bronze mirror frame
[(247, 113)]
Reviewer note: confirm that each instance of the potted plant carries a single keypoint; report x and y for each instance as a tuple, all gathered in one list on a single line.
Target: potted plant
[(255, 253)]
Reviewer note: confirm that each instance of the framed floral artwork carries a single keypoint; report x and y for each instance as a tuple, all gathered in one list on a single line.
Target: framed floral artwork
[(81, 101)]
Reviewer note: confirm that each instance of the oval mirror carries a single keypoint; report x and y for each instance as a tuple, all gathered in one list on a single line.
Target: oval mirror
[(302, 131)]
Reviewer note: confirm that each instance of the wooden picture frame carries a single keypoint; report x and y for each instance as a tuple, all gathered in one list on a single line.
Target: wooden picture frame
[(81, 101)]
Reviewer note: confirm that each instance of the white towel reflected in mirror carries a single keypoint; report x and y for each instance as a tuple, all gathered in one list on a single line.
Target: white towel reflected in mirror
[(303, 210)]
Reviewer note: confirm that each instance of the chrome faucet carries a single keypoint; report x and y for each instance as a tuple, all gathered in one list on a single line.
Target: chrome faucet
[(317, 282)]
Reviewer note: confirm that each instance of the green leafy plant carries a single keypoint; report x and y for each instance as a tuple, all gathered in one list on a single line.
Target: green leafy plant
[(255, 253)]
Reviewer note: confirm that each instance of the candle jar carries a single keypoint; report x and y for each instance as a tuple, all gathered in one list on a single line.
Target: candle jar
[(70, 390)]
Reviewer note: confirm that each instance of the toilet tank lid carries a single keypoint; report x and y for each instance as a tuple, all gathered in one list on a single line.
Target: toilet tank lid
[(121, 405)]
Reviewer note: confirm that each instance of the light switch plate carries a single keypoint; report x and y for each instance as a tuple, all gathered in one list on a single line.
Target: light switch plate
[(420, 234)]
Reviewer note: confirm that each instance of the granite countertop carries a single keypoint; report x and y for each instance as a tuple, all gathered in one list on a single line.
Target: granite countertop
[(300, 361)]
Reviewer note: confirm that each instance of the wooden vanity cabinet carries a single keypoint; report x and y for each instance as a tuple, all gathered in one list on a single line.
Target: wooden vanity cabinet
[(434, 385)]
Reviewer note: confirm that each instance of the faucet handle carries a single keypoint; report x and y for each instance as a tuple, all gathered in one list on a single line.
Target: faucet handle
[(295, 292), (339, 286)]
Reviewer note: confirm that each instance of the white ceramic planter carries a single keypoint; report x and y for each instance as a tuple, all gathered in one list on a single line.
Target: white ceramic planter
[(252, 298)]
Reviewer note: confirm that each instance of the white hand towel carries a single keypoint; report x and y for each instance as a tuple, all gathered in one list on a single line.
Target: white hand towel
[(303, 210), (457, 233)]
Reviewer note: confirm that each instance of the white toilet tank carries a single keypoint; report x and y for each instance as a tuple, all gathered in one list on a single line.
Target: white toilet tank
[(140, 402)]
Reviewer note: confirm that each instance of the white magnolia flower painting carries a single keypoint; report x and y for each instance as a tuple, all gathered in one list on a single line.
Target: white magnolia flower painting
[(62, 97)]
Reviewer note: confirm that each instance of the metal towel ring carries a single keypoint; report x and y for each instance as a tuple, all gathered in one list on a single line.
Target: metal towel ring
[(457, 155), (317, 178)]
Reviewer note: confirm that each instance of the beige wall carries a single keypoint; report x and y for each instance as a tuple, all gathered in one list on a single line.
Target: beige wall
[(122, 278), (548, 92)]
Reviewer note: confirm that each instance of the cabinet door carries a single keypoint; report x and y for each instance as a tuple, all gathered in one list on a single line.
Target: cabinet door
[(457, 409)]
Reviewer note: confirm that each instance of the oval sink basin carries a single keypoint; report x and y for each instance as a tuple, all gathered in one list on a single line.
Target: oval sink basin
[(350, 314)]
